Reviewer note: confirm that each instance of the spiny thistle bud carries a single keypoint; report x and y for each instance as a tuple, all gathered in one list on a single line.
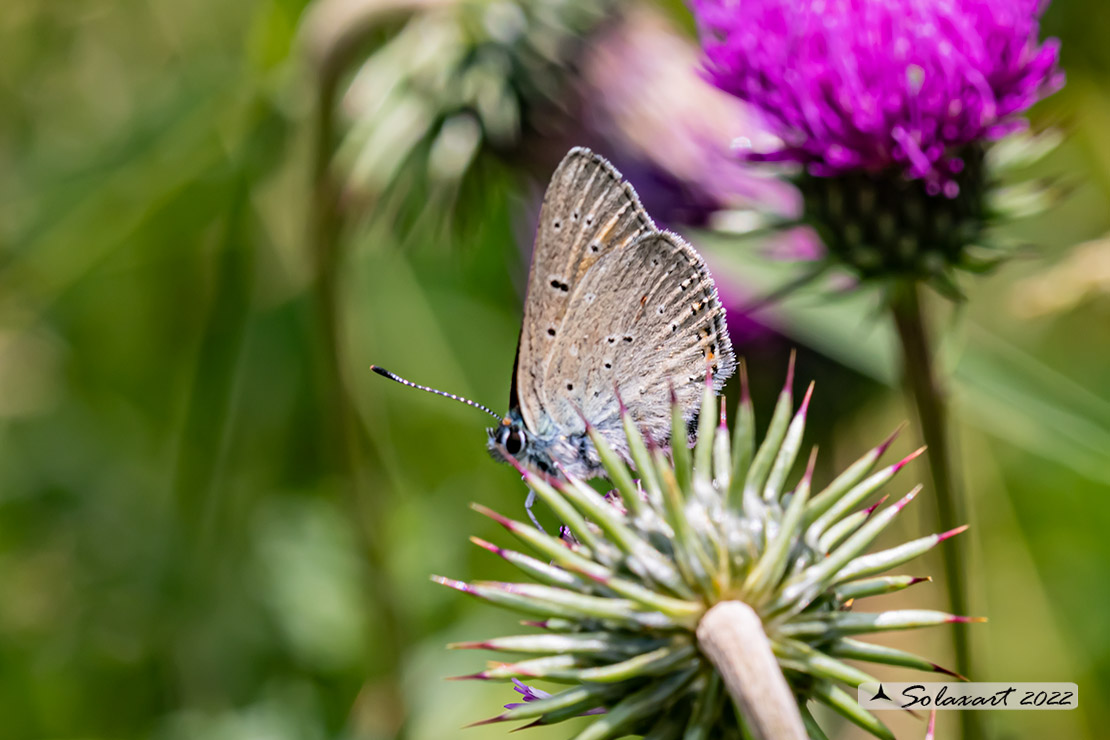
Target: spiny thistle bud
[(458, 77), (627, 603)]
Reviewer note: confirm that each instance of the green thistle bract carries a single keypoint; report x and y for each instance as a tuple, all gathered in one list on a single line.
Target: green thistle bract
[(884, 226), (620, 602)]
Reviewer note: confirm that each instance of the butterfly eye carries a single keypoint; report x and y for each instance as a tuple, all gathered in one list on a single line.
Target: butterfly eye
[(513, 441)]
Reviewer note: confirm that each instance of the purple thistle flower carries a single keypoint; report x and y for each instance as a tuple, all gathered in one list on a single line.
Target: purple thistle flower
[(863, 85)]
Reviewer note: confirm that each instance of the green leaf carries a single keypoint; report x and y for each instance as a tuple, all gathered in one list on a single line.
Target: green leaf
[(775, 559), (788, 452), (851, 649), (579, 643), (876, 586), (680, 450), (707, 709), (537, 569), (769, 450), (877, 562), (574, 698), (743, 444), (817, 577), (846, 706), (642, 557), (707, 424), (622, 718)]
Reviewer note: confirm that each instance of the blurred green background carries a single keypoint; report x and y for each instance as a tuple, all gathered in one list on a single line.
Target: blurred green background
[(215, 522)]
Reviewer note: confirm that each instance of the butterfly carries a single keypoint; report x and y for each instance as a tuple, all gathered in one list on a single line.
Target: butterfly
[(617, 311)]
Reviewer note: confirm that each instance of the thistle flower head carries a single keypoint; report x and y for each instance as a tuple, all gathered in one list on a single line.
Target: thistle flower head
[(864, 85), (890, 107), (619, 604)]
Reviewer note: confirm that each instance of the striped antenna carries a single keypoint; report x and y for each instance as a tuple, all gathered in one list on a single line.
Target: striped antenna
[(410, 384)]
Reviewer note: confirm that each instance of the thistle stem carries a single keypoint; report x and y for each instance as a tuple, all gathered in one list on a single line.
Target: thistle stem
[(731, 635), (344, 438), (928, 395)]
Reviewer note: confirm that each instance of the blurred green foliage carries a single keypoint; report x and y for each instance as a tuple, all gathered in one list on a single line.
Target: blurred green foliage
[(216, 523)]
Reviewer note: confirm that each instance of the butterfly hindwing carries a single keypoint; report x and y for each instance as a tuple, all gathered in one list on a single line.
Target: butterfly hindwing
[(642, 320), (588, 212)]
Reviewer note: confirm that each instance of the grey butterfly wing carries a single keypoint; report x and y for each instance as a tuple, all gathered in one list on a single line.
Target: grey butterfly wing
[(642, 320), (588, 212)]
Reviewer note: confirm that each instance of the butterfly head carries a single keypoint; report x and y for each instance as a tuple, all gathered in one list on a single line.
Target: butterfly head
[(509, 437)]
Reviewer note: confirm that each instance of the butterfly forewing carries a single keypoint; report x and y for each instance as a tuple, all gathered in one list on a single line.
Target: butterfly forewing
[(642, 320), (588, 212)]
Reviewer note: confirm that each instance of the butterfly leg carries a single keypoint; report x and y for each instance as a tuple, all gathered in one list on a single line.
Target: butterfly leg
[(528, 502)]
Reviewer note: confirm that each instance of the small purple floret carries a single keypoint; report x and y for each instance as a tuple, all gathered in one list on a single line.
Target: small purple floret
[(568, 537), (613, 498), (528, 692), (865, 85)]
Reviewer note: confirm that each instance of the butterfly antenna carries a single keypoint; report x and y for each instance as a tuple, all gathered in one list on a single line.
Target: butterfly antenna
[(410, 384)]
